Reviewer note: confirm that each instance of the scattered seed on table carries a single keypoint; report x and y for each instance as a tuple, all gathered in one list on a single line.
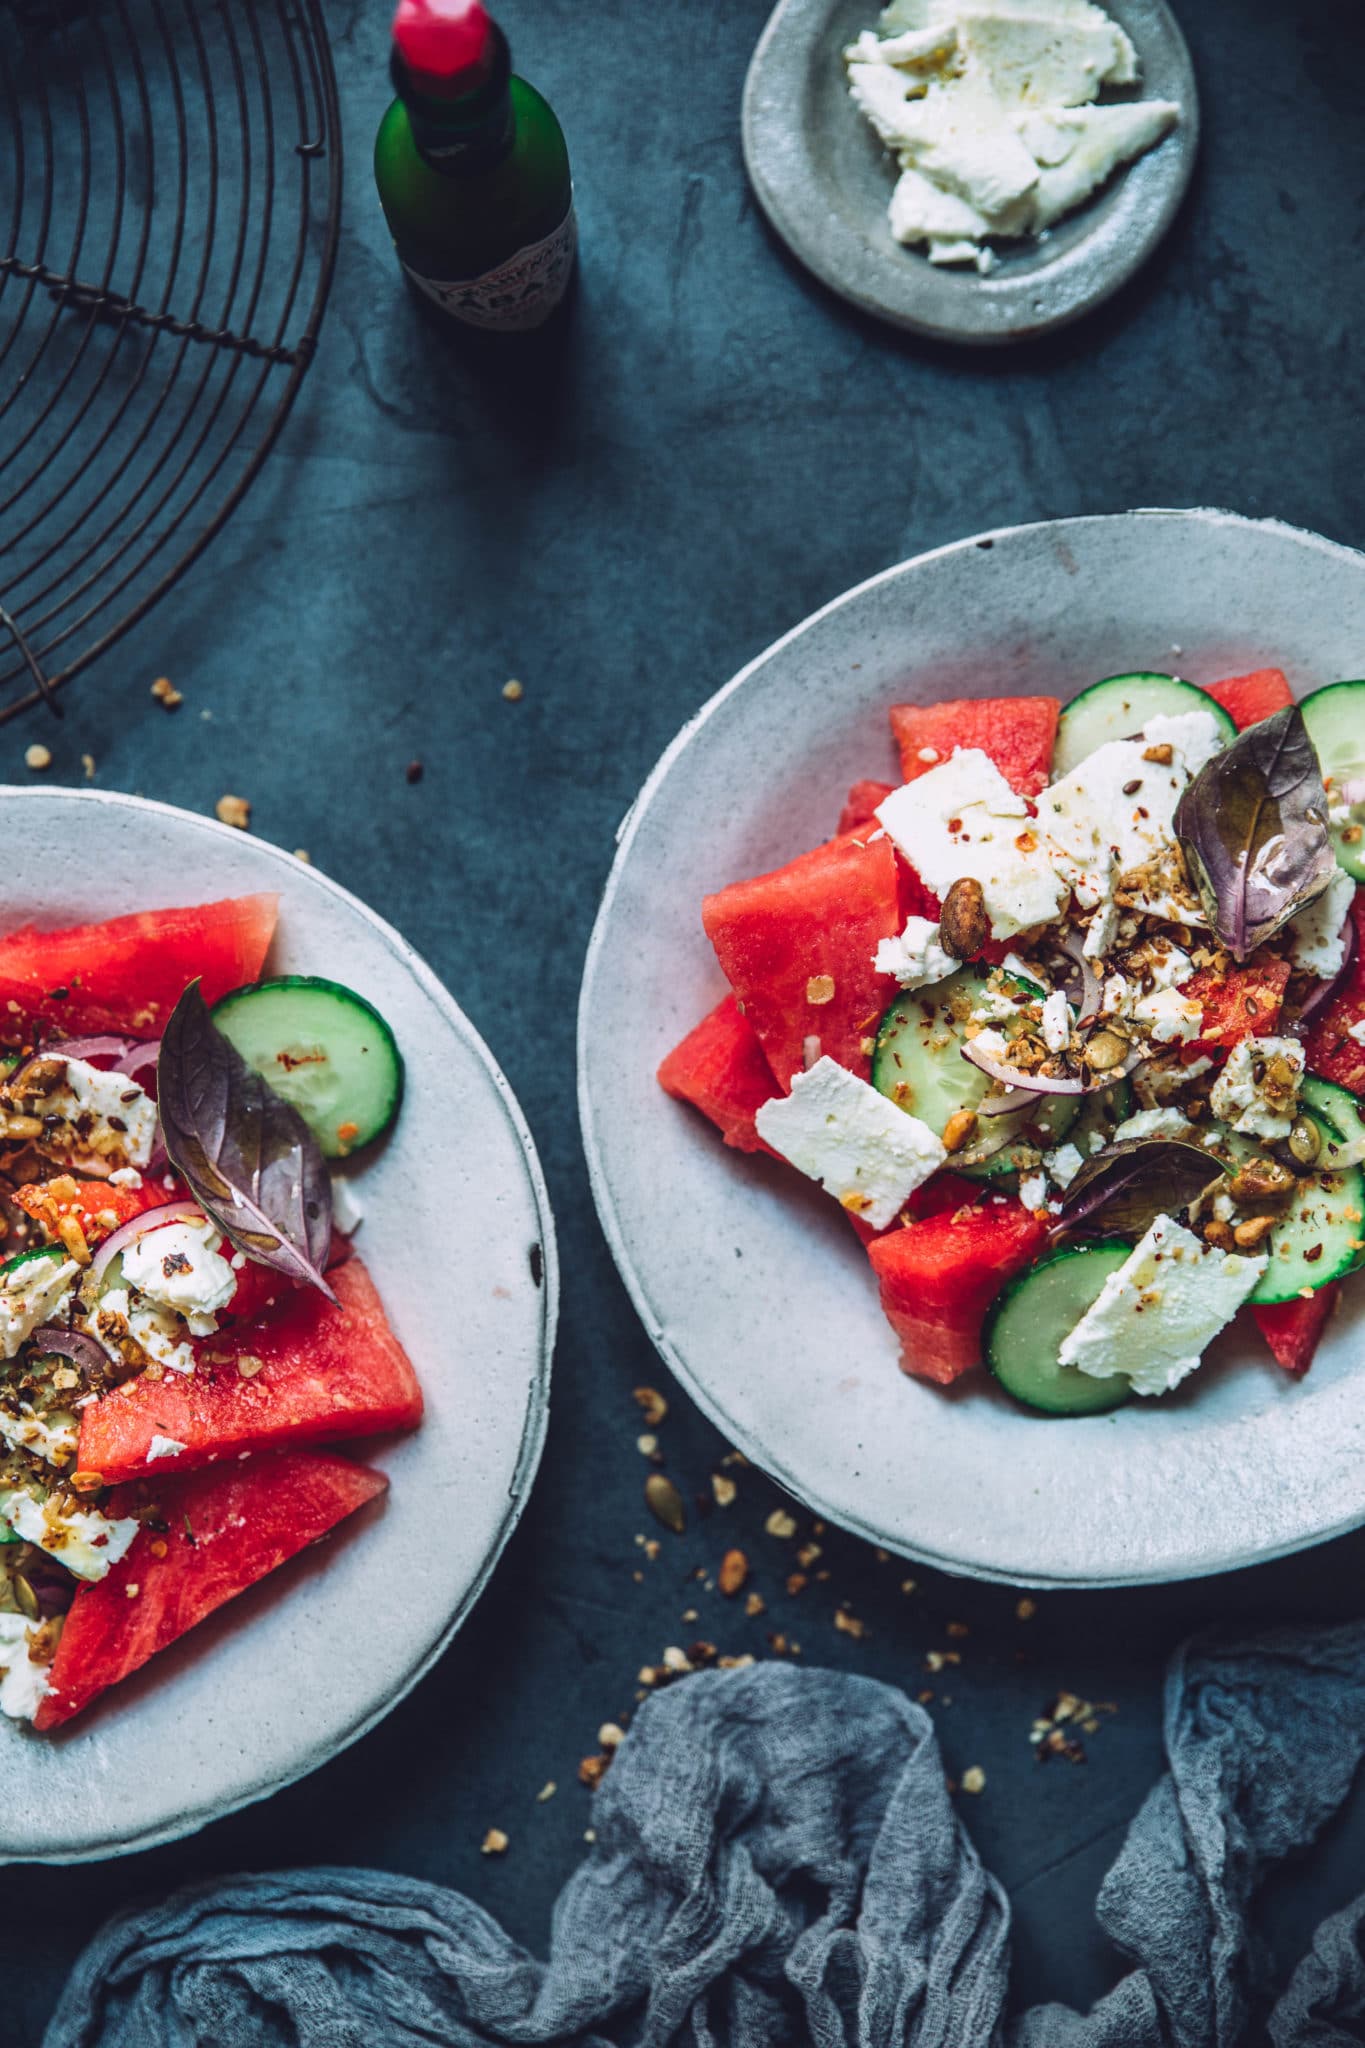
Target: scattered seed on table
[(547, 1791), (1025, 1609), (781, 1524), (651, 1404), (302, 853), (165, 692), (494, 1843), (974, 1779), (665, 1503), (513, 691), (233, 810), (38, 756), (88, 763), (734, 1570), (723, 1490)]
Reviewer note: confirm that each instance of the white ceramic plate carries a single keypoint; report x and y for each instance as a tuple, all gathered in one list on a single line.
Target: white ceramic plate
[(312, 1658), (825, 182), (748, 1280)]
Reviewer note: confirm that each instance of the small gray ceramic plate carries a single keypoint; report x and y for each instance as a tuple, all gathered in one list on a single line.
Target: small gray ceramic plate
[(825, 181), (312, 1658), (749, 1281)]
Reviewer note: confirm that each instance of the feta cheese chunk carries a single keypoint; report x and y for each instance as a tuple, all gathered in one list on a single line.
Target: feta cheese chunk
[(962, 818), (35, 1291), (1357, 1031), (1152, 1123), (82, 1539), (1033, 1191), (164, 1447), (915, 957), (1167, 1017), (1195, 735), (1056, 1025), (1113, 811), (178, 1266), (23, 1684), (1317, 938), (1063, 1164), (837, 1129), (103, 1121), (1258, 1090), (1153, 1319)]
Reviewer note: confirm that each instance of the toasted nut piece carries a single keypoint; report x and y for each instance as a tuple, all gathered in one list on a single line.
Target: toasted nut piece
[(1253, 1231), (734, 1570), (1162, 753), (494, 1843), (1219, 1234), (820, 989), (963, 924), (651, 1405), (87, 1482), (1261, 1180), (960, 1129), (1105, 1050)]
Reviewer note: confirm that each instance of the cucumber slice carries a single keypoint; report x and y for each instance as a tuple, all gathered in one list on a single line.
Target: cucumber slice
[(1336, 1107), (919, 1065), (1120, 707), (1102, 1112), (1335, 717), (26, 1258), (1026, 1326), (1318, 1238), (324, 1049)]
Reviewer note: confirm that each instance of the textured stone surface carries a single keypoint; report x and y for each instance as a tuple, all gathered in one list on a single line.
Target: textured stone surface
[(725, 447)]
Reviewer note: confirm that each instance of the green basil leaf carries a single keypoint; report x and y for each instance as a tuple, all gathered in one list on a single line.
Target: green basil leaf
[(1127, 1187), (248, 1157), (1253, 829)]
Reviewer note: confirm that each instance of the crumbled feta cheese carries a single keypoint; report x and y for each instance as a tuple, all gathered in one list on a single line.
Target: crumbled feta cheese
[(1024, 970), (1063, 1164), (1166, 965), (1167, 1017), (1257, 1091), (103, 1121), (178, 1266), (1056, 1022), (125, 1177), (1357, 1031), (52, 1437), (23, 1684), (867, 1153), (963, 819), (1195, 735), (1033, 1191), (1164, 1080), (1113, 811), (164, 1447), (1154, 1317), (1317, 935), (1103, 931), (82, 1539), (915, 957), (996, 1006), (992, 1043), (929, 754), (33, 1292), (117, 1319), (1152, 1123), (1078, 148)]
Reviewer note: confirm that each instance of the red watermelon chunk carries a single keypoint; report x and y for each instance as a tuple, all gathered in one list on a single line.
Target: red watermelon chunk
[(214, 1534), (98, 1207), (1293, 1329), (1328, 1045), (720, 1069), (327, 1371), (938, 1278), (1243, 1003), (943, 1190), (1249, 699), (860, 806), (1017, 732), (129, 973), (797, 946)]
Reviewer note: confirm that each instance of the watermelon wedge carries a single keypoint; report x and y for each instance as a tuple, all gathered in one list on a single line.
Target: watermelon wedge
[(797, 946), (720, 1069), (1243, 1003), (213, 1535), (1249, 699), (1293, 1329), (1017, 732), (129, 973), (308, 1372), (859, 812), (939, 1276), (1328, 1045)]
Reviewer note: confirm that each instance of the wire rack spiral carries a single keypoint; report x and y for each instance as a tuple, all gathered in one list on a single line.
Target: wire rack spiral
[(166, 250)]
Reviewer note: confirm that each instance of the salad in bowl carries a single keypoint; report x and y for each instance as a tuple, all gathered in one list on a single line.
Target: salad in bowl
[(1071, 1023), (185, 1333)]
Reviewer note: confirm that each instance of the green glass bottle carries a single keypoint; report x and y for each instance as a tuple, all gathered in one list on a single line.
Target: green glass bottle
[(473, 172)]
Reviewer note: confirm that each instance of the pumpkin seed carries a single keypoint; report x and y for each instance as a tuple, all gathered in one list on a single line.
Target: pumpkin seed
[(1305, 1141), (27, 1598), (665, 1503)]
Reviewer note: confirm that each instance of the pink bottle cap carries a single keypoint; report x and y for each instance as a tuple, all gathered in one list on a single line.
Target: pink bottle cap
[(447, 46)]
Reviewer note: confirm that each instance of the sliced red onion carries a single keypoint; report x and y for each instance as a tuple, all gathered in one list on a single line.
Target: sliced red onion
[(1015, 1077), (143, 1054), (1001, 1105), (985, 1147), (72, 1344), (1323, 991), (1088, 1002), (138, 1226)]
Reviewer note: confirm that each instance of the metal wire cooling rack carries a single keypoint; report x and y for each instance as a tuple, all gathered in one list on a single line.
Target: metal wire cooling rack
[(166, 251)]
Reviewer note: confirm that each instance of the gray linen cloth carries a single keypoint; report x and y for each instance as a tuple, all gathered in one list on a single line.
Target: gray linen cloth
[(778, 1860)]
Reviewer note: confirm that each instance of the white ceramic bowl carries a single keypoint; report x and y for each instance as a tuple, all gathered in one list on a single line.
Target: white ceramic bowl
[(458, 1236), (749, 1281)]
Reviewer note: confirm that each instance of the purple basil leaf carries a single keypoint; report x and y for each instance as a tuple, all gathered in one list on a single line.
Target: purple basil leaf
[(247, 1156), (1253, 827), (1128, 1186)]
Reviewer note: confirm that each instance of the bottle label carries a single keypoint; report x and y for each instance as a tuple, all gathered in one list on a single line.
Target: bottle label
[(514, 296)]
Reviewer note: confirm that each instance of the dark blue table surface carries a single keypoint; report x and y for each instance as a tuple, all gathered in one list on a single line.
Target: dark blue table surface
[(723, 448)]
